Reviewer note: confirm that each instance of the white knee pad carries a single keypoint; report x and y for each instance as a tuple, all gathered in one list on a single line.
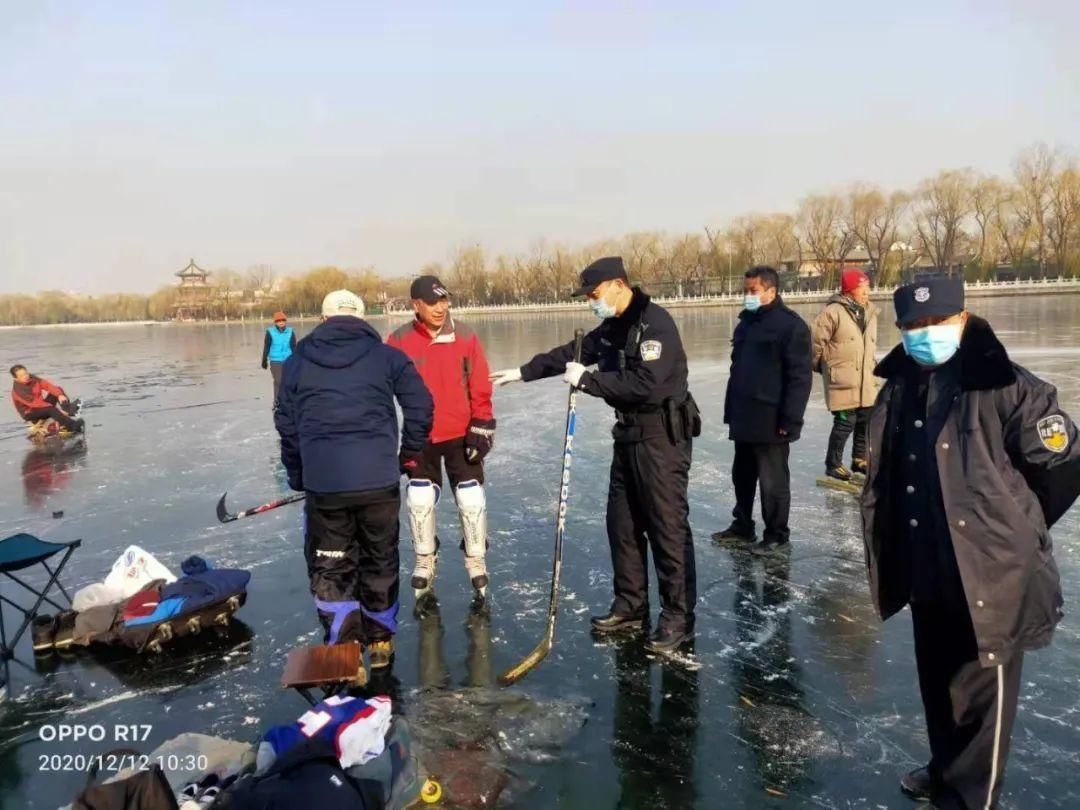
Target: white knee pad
[(421, 497), (472, 509)]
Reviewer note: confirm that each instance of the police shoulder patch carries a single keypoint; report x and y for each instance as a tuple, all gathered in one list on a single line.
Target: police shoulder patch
[(651, 349), (1052, 433)]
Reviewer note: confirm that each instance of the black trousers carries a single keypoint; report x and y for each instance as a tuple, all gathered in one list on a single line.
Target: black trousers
[(969, 708), (54, 412), (648, 509), (767, 465), (856, 420), (452, 454), (351, 547)]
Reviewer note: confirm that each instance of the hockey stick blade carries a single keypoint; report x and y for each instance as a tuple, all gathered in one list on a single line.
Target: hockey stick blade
[(516, 673), (224, 516), (223, 513)]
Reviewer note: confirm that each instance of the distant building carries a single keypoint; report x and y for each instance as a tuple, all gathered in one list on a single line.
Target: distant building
[(195, 296)]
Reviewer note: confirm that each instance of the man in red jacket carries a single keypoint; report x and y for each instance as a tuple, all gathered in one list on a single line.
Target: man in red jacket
[(36, 398), (451, 362)]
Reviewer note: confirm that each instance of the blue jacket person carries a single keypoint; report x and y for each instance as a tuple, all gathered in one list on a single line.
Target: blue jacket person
[(641, 373), (971, 462), (339, 443), (278, 345)]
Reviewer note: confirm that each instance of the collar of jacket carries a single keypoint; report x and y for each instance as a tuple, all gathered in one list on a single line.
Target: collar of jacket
[(446, 335), (852, 306), (637, 305), (764, 309), (983, 362)]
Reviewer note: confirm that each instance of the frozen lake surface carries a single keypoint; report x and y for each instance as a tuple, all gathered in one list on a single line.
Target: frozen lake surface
[(794, 696)]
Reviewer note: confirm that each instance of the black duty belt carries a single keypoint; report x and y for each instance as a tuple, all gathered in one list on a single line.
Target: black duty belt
[(641, 418)]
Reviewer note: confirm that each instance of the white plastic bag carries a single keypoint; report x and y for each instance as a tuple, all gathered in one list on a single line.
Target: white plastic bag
[(95, 595), (135, 569)]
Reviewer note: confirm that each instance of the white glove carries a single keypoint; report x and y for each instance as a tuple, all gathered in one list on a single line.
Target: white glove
[(507, 375), (573, 373)]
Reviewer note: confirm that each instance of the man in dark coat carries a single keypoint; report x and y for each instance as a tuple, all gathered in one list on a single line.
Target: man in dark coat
[(971, 462), (339, 443), (641, 373), (766, 399)]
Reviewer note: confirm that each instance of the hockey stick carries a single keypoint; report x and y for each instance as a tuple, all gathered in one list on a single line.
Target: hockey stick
[(224, 516), (519, 671)]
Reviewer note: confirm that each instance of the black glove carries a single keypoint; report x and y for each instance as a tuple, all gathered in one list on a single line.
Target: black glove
[(408, 461), (264, 365), (479, 440), (296, 482)]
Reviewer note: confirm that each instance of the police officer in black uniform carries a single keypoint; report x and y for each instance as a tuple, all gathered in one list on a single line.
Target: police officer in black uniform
[(971, 462), (641, 373)]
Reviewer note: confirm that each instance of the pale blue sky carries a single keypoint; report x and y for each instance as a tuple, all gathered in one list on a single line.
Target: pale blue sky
[(136, 134)]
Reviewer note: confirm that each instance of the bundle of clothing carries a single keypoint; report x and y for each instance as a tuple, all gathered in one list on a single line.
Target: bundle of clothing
[(345, 754), (142, 605)]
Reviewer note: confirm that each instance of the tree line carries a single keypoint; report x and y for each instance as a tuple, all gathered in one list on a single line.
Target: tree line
[(958, 221)]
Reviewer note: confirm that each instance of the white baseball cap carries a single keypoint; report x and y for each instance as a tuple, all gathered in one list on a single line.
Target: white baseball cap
[(342, 302)]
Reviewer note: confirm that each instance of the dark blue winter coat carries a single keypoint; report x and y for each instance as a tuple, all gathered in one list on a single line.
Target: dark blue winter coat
[(335, 411), (770, 377)]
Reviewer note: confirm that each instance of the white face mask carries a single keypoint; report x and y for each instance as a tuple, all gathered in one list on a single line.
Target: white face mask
[(751, 302), (601, 308)]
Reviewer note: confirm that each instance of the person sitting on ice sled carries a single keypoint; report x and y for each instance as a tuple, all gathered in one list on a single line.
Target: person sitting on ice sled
[(339, 444), (36, 398), (451, 362)]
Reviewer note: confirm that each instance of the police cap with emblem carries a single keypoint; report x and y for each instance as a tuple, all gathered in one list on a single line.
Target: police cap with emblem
[(605, 269), (928, 298)]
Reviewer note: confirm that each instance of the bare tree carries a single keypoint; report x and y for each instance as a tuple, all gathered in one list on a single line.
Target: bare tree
[(1064, 216), (780, 242), (825, 233), (1033, 172), (983, 197), (468, 278), (744, 236), (875, 219), (1012, 224), (260, 277), (230, 285), (561, 271), (941, 206)]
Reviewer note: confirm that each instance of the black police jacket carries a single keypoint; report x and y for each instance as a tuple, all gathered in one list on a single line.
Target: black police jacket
[(770, 377), (639, 357), (1008, 460)]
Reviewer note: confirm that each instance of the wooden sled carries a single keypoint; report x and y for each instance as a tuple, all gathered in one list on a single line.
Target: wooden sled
[(330, 668), (854, 487), (216, 615), (38, 433)]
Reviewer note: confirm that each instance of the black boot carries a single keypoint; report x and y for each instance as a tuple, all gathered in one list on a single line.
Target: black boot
[(666, 640), (612, 622), (840, 473), (734, 535), (918, 784), (43, 632), (858, 466)]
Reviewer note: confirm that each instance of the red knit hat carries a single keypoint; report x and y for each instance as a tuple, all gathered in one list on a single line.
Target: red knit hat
[(279, 316), (850, 279)]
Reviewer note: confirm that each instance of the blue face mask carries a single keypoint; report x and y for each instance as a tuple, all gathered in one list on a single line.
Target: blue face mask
[(932, 345), (602, 309), (751, 302)]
